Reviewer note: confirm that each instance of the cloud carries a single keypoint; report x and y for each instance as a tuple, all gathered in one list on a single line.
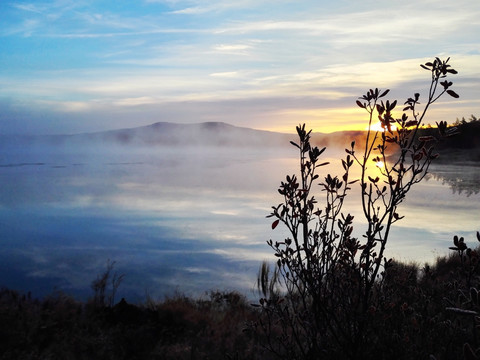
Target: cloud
[(142, 100), (108, 20), (191, 10), (29, 8), (69, 106), (199, 7), (232, 48), (244, 254), (227, 74)]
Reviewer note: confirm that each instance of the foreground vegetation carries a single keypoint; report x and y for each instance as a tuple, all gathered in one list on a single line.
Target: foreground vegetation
[(428, 310), (59, 327)]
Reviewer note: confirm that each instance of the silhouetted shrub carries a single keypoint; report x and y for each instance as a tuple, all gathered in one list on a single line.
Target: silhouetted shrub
[(337, 290)]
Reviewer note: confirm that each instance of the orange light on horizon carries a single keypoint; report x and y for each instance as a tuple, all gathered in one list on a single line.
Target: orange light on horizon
[(325, 121)]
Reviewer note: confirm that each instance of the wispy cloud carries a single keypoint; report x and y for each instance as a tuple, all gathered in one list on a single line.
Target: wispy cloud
[(199, 7), (232, 48), (28, 7), (26, 28), (192, 10), (142, 100), (227, 74)]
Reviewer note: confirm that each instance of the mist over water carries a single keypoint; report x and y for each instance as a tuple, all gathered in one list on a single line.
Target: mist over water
[(190, 219)]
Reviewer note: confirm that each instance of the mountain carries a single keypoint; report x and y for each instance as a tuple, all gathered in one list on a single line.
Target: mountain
[(201, 134), (211, 134)]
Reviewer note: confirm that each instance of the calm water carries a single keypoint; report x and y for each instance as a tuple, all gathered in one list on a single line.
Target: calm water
[(190, 220)]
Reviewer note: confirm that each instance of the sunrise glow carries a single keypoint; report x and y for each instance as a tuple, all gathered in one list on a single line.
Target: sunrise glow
[(378, 127)]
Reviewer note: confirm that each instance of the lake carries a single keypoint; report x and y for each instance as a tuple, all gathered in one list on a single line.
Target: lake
[(183, 220)]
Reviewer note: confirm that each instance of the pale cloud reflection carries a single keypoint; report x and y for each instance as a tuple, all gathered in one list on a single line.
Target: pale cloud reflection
[(242, 254)]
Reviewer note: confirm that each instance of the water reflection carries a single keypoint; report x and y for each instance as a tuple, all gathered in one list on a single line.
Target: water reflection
[(462, 179), (184, 220)]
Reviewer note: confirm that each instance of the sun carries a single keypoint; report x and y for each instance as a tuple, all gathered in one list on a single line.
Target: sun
[(378, 127)]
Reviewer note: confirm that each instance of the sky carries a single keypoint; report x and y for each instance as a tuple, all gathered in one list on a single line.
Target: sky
[(70, 66)]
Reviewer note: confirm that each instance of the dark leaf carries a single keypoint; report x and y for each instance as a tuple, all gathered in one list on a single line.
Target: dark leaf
[(380, 109), (360, 104), (446, 84), (453, 94), (455, 240), (392, 105), (384, 93), (417, 156), (294, 144), (275, 223), (411, 123)]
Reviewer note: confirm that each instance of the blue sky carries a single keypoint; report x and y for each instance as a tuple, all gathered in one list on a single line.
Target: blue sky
[(79, 66)]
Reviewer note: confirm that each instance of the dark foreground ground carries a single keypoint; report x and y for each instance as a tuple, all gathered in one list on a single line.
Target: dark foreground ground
[(422, 318)]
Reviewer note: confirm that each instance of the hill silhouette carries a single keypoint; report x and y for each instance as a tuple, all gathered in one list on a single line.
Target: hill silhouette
[(211, 134)]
